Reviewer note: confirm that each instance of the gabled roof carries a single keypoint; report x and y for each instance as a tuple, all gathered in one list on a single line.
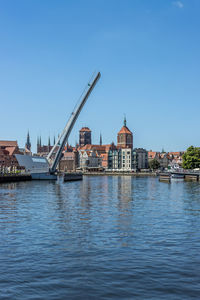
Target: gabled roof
[(152, 154), (176, 153), (10, 150)]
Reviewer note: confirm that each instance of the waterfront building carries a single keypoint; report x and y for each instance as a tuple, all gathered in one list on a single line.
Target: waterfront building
[(114, 159), (125, 137), (104, 160), (176, 159), (69, 161), (153, 155), (102, 151), (120, 159), (8, 161), (89, 159), (128, 159), (85, 137), (141, 159), (165, 159)]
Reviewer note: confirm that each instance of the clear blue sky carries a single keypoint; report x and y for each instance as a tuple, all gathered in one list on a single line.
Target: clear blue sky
[(148, 52)]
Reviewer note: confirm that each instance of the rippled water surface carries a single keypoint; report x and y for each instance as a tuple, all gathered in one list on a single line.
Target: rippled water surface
[(102, 238)]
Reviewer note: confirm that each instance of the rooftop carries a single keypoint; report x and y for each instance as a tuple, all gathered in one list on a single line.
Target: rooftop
[(8, 144), (85, 129), (125, 129)]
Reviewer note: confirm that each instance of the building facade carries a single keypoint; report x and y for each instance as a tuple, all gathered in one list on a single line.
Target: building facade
[(128, 159), (69, 161), (8, 161), (141, 159), (89, 159)]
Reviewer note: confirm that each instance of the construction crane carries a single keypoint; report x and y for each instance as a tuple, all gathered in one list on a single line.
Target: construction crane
[(62, 139)]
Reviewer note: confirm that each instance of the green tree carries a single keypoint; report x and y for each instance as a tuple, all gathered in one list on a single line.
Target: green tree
[(154, 164), (191, 158)]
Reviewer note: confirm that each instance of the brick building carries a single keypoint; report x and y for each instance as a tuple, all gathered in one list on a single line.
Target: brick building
[(85, 137), (69, 161), (125, 137), (102, 151), (8, 149)]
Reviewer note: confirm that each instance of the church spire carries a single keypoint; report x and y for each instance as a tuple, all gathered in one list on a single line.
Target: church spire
[(38, 144), (49, 142), (125, 120), (28, 142), (100, 142)]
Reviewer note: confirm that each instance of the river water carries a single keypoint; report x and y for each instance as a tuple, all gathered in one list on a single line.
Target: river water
[(105, 237)]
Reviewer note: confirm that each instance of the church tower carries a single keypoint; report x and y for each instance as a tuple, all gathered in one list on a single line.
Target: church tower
[(28, 142), (125, 137), (85, 137)]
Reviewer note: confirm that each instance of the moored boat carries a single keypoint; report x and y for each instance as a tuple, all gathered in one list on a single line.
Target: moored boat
[(177, 176), (73, 176)]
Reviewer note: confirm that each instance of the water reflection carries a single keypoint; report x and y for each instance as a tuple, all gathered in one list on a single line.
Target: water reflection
[(103, 237), (125, 186), (8, 204)]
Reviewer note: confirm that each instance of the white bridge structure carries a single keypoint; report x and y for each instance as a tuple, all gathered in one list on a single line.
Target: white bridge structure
[(45, 168)]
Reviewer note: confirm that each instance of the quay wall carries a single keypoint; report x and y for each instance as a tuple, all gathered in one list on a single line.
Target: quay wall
[(138, 174), (6, 178)]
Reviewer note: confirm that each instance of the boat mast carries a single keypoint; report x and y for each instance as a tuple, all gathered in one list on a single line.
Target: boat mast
[(68, 128)]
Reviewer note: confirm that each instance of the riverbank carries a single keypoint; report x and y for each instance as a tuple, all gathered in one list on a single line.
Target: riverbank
[(6, 178), (137, 174)]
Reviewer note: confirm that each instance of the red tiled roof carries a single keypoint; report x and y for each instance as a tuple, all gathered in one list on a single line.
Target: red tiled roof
[(10, 150), (85, 129), (151, 154), (176, 153), (8, 144), (96, 147), (124, 129)]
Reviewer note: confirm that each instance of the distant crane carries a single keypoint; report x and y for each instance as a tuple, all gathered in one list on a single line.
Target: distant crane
[(62, 139)]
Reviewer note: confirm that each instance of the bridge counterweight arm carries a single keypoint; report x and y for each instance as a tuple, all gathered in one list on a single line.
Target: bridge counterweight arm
[(68, 128)]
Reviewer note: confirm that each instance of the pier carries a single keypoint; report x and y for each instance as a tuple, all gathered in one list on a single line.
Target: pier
[(187, 176)]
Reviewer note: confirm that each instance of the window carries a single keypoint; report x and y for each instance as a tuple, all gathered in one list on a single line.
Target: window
[(39, 160)]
